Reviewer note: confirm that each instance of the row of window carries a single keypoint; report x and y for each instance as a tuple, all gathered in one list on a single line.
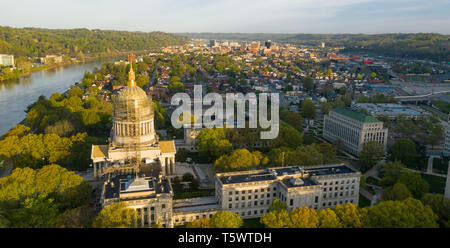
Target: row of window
[(325, 204), (251, 191), (183, 219), (249, 203), (337, 188), (337, 182), (249, 197), (330, 195)]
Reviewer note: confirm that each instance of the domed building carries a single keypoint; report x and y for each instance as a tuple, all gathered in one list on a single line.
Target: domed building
[(133, 142)]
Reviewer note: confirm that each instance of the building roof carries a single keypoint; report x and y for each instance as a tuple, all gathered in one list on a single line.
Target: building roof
[(167, 146), (99, 151), (358, 116), (275, 173)]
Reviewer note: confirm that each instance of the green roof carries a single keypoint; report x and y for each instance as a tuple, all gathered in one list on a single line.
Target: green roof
[(355, 115)]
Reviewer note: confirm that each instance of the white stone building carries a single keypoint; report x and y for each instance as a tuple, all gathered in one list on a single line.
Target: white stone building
[(353, 129), (6, 60)]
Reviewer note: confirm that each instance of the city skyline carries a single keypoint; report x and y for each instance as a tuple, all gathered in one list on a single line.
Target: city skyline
[(286, 16)]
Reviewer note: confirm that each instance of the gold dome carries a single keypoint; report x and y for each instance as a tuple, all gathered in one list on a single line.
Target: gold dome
[(133, 117)]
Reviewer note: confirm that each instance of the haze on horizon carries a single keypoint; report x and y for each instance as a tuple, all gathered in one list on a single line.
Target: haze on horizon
[(233, 16)]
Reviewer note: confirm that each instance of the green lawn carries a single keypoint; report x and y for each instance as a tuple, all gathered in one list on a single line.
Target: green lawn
[(252, 223), (363, 201), (437, 184), (443, 106)]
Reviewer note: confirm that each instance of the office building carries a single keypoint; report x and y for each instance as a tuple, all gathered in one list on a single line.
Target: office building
[(352, 129)]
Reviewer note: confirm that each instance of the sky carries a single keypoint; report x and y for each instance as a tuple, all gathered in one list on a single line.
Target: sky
[(237, 16)]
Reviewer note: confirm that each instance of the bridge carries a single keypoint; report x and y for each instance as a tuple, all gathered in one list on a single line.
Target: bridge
[(420, 98)]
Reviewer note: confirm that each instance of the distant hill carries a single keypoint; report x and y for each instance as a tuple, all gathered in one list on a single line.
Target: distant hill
[(422, 45), (34, 42)]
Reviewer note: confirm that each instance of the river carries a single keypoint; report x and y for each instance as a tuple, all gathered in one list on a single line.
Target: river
[(16, 96)]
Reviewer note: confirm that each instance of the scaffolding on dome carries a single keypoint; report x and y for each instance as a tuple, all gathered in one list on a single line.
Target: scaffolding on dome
[(133, 126)]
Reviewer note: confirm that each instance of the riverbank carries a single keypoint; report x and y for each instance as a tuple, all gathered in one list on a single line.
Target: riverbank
[(67, 63)]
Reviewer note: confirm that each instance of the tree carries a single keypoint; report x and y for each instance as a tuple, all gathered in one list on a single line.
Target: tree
[(80, 217), (142, 80), (292, 118), (276, 219), (199, 223), (371, 153), (409, 213), (212, 142), (390, 172), (308, 83), (35, 212), (61, 128), (440, 206), (350, 215), (414, 182), (303, 217), (175, 87), (328, 219), (288, 136), (116, 215), (225, 219), (308, 109), (66, 188), (325, 107), (403, 150), (240, 159), (435, 136), (328, 152), (278, 205), (397, 192)]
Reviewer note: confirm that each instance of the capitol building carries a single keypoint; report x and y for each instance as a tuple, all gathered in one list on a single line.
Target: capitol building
[(137, 168), (133, 143)]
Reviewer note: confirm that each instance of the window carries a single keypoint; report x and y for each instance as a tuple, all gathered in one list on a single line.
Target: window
[(249, 197), (243, 198), (316, 200), (262, 190), (230, 205), (274, 194), (256, 196), (163, 206), (230, 193), (256, 203), (291, 202), (256, 191)]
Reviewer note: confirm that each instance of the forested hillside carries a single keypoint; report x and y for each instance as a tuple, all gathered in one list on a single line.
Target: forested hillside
[(33, 42)]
